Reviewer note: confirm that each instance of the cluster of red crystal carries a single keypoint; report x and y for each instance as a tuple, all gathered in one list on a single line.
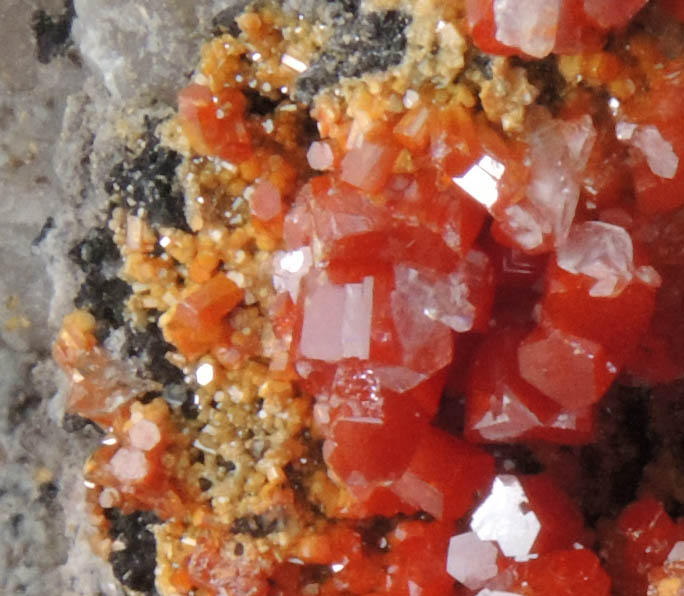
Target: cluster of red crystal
[(214, 124), (400, 270), (637, 546), (135, 466), (540, 27), (391, 274)]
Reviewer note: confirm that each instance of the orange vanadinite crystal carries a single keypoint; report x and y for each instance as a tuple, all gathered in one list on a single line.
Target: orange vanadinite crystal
[(214, 124), (100, 385), (138, 460), (198, 322)]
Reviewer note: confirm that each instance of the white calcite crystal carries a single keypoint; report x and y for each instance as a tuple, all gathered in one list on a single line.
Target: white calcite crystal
[(659, 154), (471, 561), (530, 26), (481, 181), (676, 555), (487, 592), (289, 268), (512, 420), (602, 251), (337, 320), (503, 519)]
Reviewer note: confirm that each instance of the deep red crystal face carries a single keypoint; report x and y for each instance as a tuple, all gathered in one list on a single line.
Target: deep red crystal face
[(637, 542), (502, 406), (673, 7), (563, 572), (537, 29), (573, 371), (373, 431)]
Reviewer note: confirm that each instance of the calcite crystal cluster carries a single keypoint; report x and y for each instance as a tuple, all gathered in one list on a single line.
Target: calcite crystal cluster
[(407, 307)]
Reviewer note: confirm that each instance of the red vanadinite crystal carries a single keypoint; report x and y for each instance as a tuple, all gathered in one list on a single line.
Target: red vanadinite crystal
[(538, 28), (417, 559), (373, 432), (610, 15), (444, 476), (502, 406), (561, 521), (564, 573), (210, 569), (638, 541), (673, 7)]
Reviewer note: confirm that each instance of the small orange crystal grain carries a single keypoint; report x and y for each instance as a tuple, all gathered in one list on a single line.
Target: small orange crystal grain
[(99, 385), (214, 124), (76, 336), (197, 323)]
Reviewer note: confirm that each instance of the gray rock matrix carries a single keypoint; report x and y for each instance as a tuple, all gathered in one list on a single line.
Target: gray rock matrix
[(68, 72)]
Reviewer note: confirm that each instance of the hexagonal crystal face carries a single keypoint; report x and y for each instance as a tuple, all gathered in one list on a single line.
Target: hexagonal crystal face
[(471, 561), (503, 519)]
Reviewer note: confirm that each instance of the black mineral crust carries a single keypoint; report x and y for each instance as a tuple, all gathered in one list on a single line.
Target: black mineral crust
[(105, 298), (147, 182), (224, 21), (149, 345), (102, 293), (134, 565), (256, 526), (615, 462), (96, 249), (365, 43), (53, 34)]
